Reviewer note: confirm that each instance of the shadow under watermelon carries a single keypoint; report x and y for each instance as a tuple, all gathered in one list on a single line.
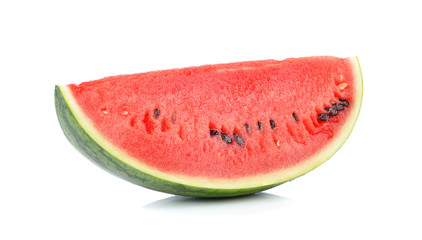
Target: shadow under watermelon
[(254, 203)]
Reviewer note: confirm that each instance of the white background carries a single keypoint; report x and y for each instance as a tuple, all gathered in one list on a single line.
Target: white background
[(370, 189)]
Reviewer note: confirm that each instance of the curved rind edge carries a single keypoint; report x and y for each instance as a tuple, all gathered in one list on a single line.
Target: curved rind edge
[(82, 134), (80, 139)]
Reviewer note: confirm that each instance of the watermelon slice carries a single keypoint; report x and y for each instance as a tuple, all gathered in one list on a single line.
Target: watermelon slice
[(216, 130)]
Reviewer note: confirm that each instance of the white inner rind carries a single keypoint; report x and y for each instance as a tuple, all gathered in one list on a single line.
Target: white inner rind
[(245, 182)]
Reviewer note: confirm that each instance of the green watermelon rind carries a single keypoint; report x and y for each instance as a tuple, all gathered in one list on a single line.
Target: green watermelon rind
[(101, 157), (80, 138)]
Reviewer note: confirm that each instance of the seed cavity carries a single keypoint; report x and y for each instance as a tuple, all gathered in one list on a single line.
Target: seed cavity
[(248, 128), (165, 125), (324, 116), (181, 133), (226, 138), (213, 132), (150, 125), (338, 106), (260, 125), (295, 116), (132, 121), (272, 124), (238, 139), (156, 113), (331, 111), (344, 101), (342, 86), (104, 110)]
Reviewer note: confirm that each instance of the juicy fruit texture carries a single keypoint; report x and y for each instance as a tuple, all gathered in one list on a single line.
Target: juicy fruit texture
[(215, 130)]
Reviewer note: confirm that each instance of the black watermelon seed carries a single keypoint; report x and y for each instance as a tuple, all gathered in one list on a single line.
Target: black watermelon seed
[(295, 116), (338, 106), (331, 111), (248, 128), (238, 139), (260, 125), (272, 124), (324, 117), (213, 132), (344, 101), (156, 112), (226, 138)]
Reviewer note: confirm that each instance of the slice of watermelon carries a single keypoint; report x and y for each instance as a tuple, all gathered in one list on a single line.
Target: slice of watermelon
[(215, 130)]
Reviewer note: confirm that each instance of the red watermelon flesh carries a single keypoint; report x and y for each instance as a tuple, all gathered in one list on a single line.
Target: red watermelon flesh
[(164, 120)]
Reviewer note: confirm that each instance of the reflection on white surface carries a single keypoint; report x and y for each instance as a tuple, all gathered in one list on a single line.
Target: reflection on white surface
[(255, 203)]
